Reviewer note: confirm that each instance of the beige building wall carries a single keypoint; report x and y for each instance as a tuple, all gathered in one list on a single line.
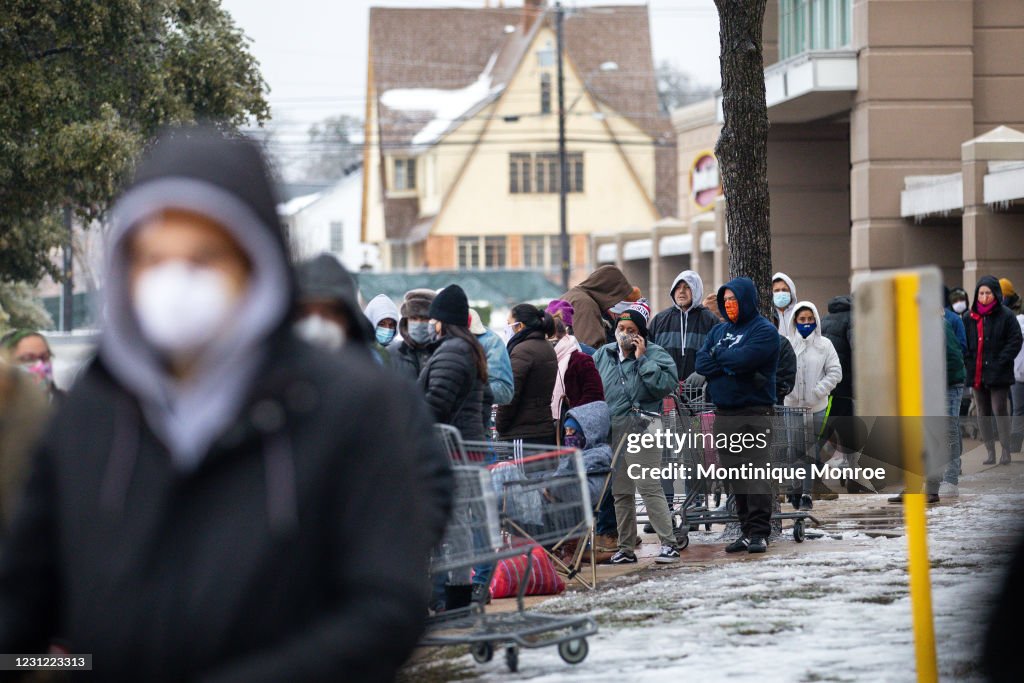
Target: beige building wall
[(998, 65), (911, 113), (809, 185)]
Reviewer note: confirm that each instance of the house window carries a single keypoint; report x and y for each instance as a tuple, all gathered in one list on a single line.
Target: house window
[(546, 57), (494, 252), (399, 256), (519, 173), (405, 174), (337, 237), (533, 251), (545, 93), (469, 252)]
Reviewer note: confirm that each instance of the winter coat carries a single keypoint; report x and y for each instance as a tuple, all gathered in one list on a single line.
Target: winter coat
[(959, 331), (739, 359), (499, 367), (784, 324), (818, 369), (682, 334), (409, 359), (602, 289), (955, 371), (837, 327), (785, 373), (577, 379), (454, 391), (630, 383), (1018, 362), (1000, 341), (204, 531), (595, 422), (24, 410), (534, 367)]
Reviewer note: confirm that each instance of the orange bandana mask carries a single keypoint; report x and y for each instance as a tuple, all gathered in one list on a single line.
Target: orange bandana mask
[(732, 310)]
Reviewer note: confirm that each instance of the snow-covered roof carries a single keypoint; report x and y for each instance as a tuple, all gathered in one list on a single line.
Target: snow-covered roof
[(447, 106), (293, 206)]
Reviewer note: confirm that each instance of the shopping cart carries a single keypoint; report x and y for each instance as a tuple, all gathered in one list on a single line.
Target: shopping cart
[(688, 410), (511, 498)]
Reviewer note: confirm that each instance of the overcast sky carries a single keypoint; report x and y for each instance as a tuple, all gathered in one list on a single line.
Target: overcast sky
[(313, 52)]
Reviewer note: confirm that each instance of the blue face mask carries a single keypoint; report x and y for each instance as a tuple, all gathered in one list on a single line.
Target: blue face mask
[(781, 299), (805, 329), (384, 335), (419, 332)]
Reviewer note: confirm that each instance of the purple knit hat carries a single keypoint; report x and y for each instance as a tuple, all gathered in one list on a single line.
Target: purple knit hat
[(563, 307)]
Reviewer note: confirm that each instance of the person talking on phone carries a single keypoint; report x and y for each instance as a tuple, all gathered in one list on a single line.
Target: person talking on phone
[(637, 375)]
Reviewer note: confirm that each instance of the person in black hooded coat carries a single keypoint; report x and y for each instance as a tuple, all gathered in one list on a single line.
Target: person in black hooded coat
[(454, 380), (993, 342), (192, 511)]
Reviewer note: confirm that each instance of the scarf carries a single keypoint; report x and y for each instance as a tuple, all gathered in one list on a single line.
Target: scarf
[(521, 336), (979, 320), (564, 349), (985, 309)]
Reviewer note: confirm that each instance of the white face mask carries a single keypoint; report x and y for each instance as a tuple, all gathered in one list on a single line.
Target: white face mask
[(320, 331), (180, 307), (960, 306)]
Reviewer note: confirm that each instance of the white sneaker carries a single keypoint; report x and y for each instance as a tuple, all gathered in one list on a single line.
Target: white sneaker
[(947, 490)]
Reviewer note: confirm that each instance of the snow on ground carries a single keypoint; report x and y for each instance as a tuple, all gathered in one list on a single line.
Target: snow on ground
[(838, 610)]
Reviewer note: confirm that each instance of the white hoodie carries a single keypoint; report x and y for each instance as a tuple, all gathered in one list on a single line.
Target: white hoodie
[(784, 326), (818, 370)]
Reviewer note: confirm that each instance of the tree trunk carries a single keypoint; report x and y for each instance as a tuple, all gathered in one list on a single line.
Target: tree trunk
[(742, 148)]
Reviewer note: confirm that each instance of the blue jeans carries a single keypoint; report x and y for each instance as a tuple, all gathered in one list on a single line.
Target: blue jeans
[(606, 525), (953, 397)]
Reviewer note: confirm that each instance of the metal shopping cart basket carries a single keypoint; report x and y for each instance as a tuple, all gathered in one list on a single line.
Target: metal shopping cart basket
[(701, 504), (510, 498)]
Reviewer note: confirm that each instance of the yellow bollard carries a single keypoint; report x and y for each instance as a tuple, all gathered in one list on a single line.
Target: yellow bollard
[(911, 404)]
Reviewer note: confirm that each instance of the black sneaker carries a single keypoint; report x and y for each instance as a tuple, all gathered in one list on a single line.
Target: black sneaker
[(648, 529), (481, 594), (668, 555), (932, 499), (738, 546), (757, 545), (897, 499), (806, 503), (623, 557)]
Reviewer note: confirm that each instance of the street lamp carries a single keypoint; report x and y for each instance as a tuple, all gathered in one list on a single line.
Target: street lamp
[(563, 159)]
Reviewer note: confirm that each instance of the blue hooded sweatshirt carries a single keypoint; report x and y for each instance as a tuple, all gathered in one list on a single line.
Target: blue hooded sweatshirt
[(739, 358)]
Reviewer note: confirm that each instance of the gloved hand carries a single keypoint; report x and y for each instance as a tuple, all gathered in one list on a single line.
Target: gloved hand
[(695, 380)]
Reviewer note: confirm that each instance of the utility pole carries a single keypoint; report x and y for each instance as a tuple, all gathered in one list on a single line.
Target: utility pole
[(563, 163), (67, 311)]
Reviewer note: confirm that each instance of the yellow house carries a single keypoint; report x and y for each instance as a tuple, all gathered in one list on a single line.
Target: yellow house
[(462, 128)]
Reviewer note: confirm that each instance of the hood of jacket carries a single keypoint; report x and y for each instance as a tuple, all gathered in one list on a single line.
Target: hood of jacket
[(324, 278), (595, 420), (789, 283), (993, 284), (746, 296), (607, 286), (816, 333), (839, 304), (692, 279), (381, 307), (227, 181)]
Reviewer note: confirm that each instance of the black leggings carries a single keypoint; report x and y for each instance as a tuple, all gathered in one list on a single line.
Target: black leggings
[(992, 401)]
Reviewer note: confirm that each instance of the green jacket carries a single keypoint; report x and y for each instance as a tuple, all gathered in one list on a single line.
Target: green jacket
[(956, 374), (644, 383)]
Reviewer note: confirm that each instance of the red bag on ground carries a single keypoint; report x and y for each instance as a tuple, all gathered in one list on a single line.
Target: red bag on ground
[(509, 573)]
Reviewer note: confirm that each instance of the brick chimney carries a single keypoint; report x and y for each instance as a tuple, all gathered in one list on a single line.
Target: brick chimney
[(532, 9)]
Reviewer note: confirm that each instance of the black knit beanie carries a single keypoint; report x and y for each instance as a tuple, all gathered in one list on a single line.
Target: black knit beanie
[(450, 306)]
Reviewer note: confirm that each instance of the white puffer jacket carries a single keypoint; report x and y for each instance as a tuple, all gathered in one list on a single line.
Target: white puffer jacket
[(817, 365)]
